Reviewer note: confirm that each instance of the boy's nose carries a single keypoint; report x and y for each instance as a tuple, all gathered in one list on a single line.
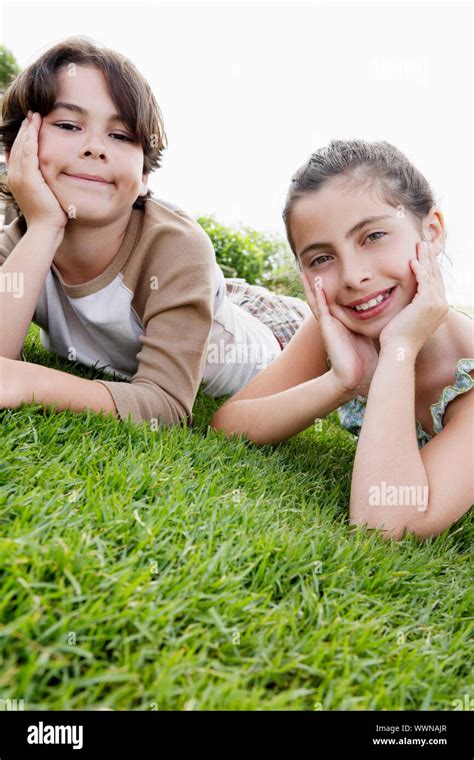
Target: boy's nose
[(94, 152), (93, 145)]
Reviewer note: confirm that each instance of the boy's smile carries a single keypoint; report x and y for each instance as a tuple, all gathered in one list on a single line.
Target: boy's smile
[(91, 178), (87, 155)]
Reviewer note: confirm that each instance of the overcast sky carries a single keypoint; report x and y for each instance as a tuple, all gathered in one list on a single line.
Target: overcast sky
[(249, 89)]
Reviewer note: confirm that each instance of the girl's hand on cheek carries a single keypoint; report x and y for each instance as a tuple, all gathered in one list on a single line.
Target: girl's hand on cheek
[(36, 200), (353, 357), (421, 318)]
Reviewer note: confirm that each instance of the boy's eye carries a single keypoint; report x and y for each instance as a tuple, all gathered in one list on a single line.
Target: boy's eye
[(68, 127), (122, 137), (317, 260)]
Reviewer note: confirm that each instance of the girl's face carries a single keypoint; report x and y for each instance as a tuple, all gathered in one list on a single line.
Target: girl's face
[(83, 134), (337, 239)]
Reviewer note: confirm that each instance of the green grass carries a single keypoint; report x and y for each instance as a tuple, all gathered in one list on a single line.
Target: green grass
[(175, 569)]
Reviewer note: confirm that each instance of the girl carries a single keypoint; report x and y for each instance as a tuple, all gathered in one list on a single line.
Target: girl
[(113, 276), (366, 234)]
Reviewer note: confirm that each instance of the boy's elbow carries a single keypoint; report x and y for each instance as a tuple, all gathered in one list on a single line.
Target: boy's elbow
[(158, 408)]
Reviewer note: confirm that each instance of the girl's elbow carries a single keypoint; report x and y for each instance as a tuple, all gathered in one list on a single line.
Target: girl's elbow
[(422, 527), (393, 532), (222, 420), (219, 421), (233, 423)]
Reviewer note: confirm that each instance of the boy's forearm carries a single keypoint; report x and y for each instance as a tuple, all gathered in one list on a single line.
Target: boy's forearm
[(276, 418), (42, 385), (22, 277), (387, 451)]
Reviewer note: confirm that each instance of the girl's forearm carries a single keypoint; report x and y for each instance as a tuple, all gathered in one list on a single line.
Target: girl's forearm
[(22, 278), (389, 482), (276, 418), (50, 386)]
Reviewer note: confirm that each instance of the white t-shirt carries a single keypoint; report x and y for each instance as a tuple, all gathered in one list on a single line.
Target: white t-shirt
[(239, 346)]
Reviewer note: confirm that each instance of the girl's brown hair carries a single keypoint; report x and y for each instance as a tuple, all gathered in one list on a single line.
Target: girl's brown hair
[(361, 162), (35, 89)]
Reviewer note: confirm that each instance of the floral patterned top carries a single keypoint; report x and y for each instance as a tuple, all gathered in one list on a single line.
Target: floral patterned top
[(351, 414)]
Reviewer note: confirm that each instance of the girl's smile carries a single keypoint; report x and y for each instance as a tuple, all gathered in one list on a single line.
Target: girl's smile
[(366, 252), (372, 307)]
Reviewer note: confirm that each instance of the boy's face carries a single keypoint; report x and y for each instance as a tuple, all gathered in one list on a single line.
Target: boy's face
[(374, 258), (89, 142)]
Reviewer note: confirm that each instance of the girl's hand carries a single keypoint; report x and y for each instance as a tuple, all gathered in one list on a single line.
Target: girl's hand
[(36, 200), (429, 308), (353, 357)]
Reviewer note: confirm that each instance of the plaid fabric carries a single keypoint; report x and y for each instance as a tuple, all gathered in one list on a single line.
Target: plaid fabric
[(282, 314)]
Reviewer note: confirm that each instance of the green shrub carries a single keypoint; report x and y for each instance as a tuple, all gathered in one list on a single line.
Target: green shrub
[(261, 259)]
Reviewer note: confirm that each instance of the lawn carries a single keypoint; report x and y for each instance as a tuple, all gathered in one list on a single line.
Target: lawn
[(177, 570)]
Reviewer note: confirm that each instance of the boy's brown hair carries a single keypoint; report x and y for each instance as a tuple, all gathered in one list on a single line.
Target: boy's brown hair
[(35, 89)]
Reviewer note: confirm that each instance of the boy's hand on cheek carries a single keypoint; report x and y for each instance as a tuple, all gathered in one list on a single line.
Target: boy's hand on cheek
[(421, 318), (39, 205)]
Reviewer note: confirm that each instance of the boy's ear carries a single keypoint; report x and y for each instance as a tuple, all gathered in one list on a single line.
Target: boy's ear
[(144, 185)]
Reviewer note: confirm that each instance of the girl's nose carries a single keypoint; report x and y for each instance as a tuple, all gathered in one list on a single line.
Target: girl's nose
[(354, 277)]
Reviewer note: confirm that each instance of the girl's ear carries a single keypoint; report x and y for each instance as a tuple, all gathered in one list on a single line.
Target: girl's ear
[(434, 230)]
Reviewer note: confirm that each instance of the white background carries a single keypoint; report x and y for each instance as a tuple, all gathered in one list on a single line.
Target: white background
[(249, 89)]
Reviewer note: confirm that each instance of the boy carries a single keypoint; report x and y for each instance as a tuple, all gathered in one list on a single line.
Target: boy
[(112, 275)]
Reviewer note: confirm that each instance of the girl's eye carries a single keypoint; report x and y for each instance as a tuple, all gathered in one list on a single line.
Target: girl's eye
[(317, 260), (68, 127), (375, 233)]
